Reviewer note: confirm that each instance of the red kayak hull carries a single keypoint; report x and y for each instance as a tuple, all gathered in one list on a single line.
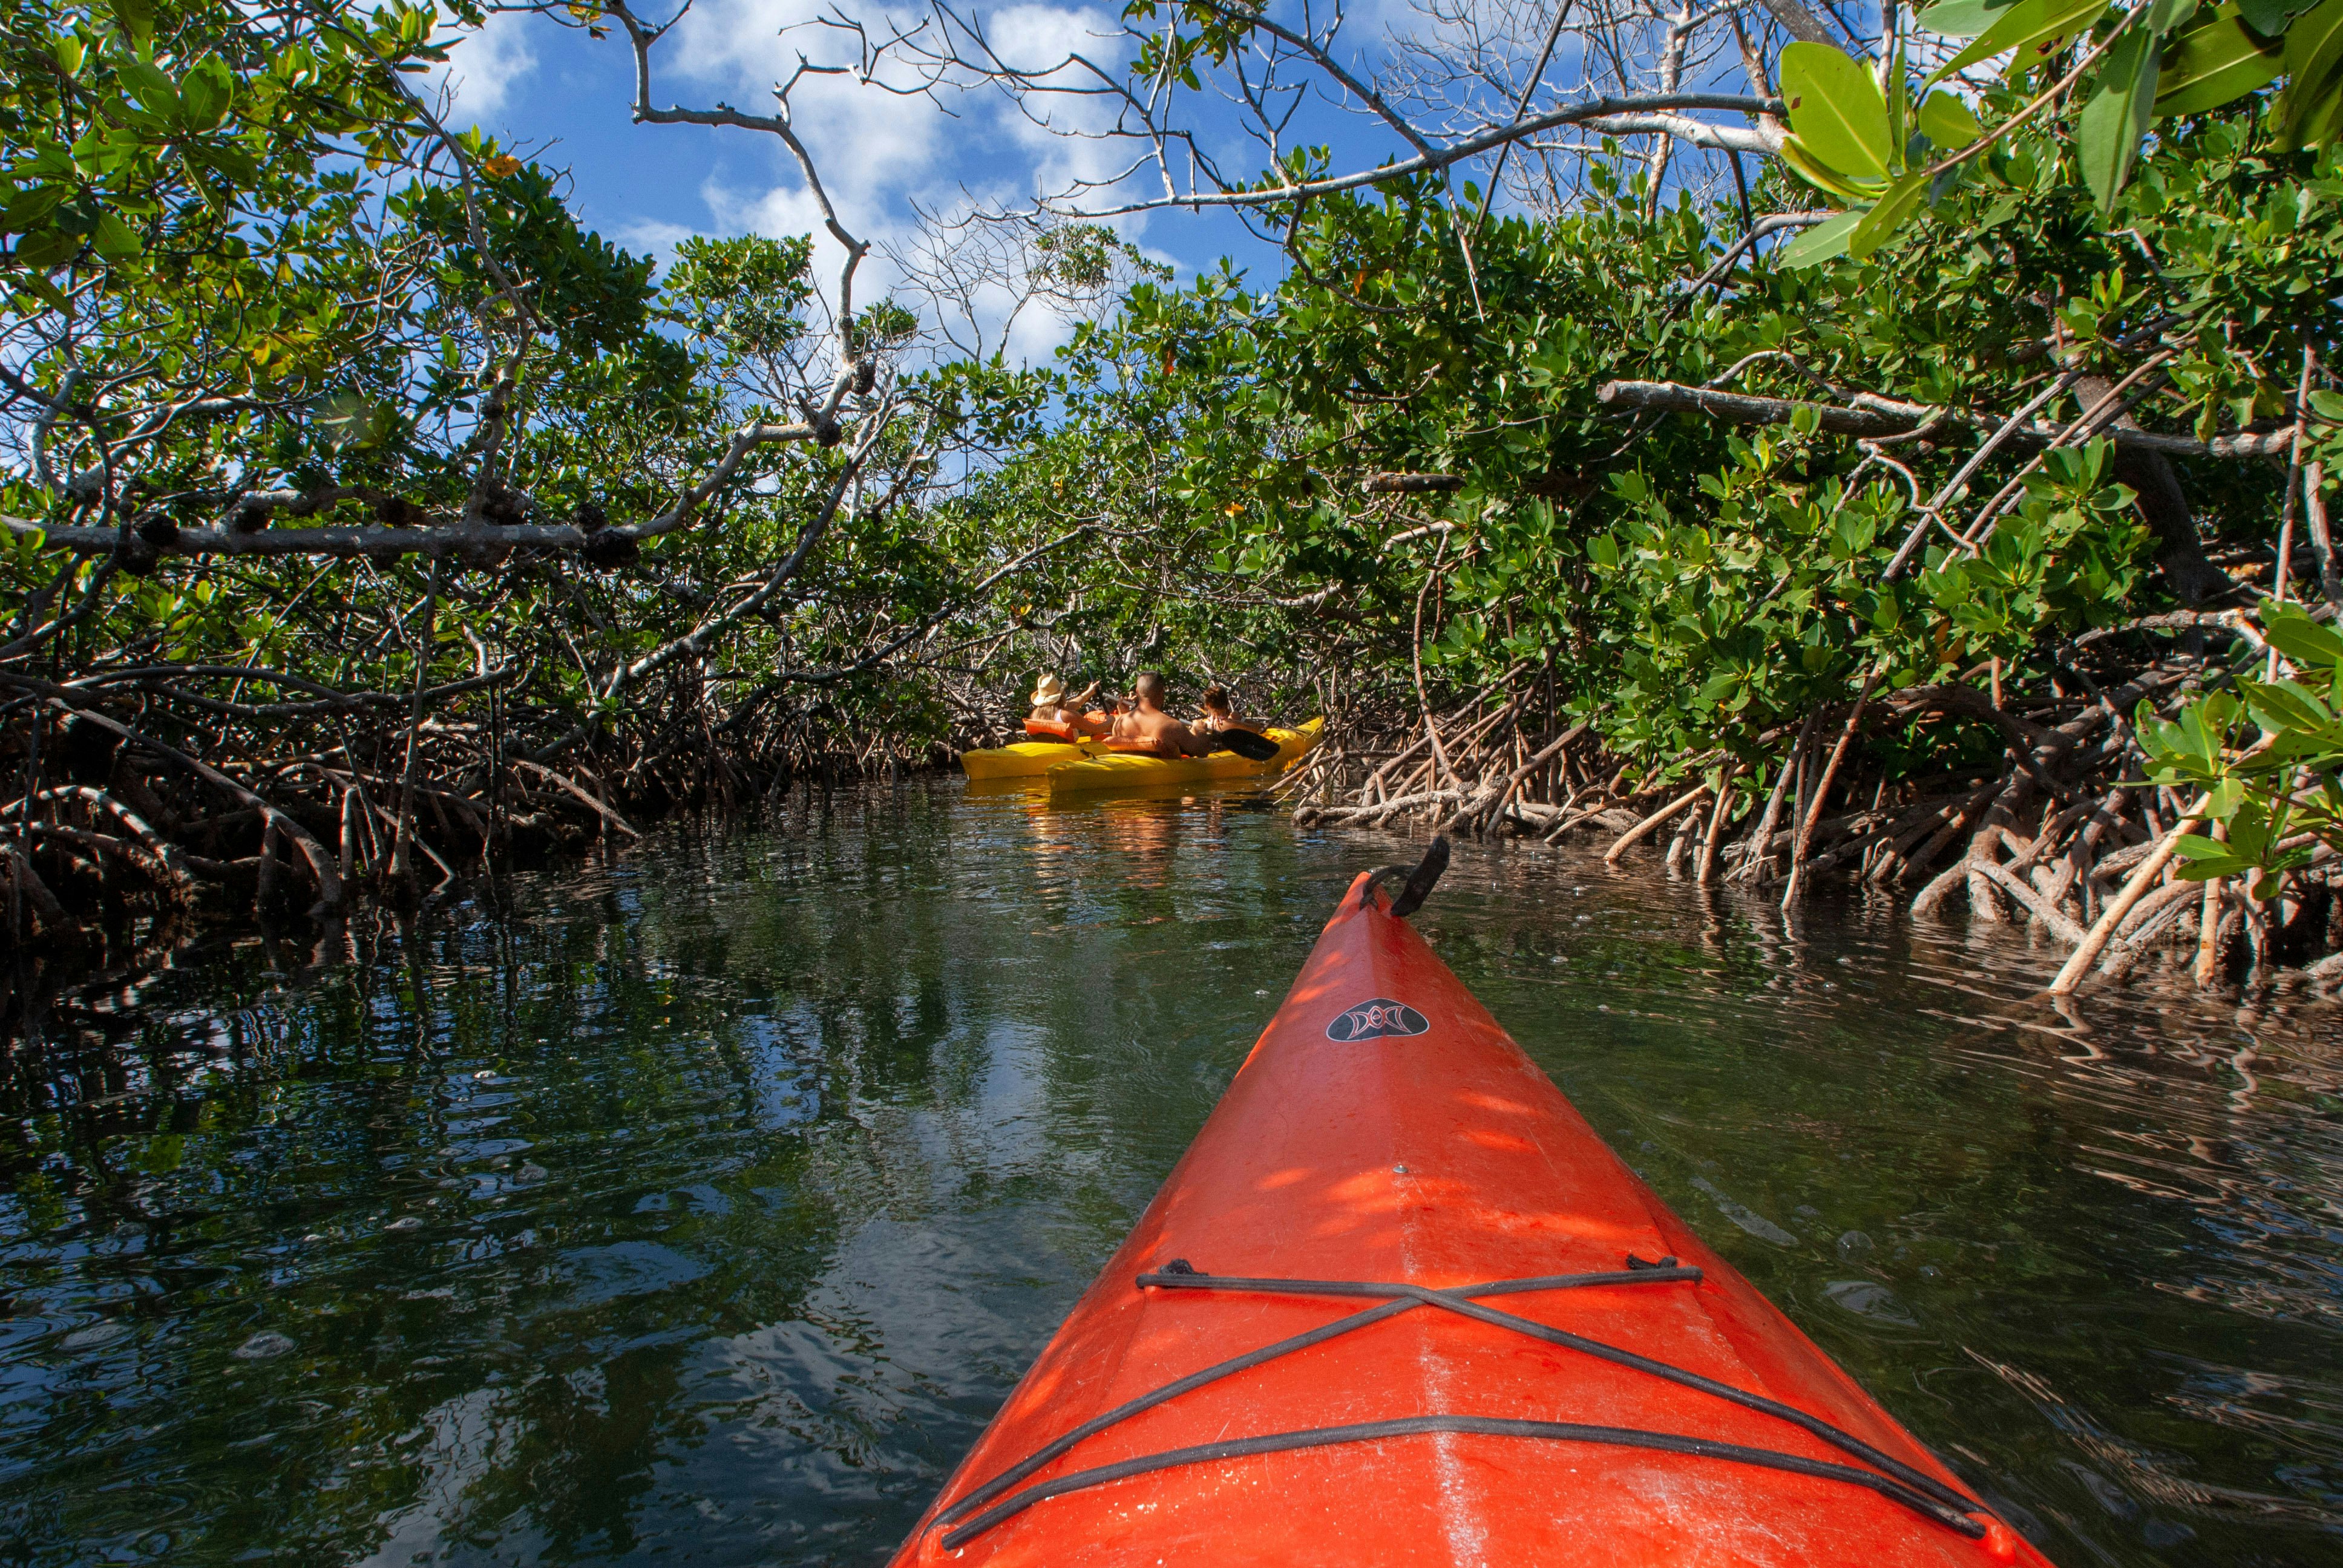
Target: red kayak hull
[(1385, 1130)]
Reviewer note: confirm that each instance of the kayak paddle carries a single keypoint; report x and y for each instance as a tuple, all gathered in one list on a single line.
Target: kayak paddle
[(1248, 744)]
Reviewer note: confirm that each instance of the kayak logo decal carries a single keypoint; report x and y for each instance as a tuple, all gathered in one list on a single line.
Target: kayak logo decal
[(1378, 1018)]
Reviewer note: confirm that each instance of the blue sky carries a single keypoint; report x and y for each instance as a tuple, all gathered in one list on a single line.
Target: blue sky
[(553, 91)]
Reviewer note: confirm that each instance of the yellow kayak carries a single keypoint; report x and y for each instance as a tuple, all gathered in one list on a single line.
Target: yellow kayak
[(1125, 769), (1025, 760)]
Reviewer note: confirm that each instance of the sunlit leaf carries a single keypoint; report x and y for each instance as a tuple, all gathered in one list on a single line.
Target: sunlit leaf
[(1948, 122), (2121, 107), (2302, 639), (1825, 179), (1962, 18), (1824, 240), (1835, 111), (2023, 27), (1894, 209)]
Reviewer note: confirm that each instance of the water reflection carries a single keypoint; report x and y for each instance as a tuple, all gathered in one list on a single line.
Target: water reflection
[(705, 1203)]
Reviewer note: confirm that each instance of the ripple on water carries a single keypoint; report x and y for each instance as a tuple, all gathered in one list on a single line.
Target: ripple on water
[(701, 1203)]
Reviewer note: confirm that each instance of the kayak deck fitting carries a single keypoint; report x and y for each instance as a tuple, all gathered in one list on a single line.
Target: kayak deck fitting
[(1297, 1357)]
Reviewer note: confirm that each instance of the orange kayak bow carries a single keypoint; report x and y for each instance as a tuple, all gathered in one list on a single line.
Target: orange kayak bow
[(1399, 1305)]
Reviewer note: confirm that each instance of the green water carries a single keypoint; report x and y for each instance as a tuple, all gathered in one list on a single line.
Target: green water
[(700, 1205)]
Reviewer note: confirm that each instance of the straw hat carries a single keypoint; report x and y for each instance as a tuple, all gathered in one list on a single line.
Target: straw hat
[(1048, 691)]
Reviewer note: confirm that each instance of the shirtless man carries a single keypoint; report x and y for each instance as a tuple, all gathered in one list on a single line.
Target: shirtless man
[(1147, 721)]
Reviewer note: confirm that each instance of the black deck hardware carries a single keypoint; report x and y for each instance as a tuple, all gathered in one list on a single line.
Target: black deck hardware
[(1900, 1484), (1479, 1425), (979, 1496)]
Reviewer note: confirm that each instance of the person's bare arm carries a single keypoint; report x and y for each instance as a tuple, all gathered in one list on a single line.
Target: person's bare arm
[(1190, 742)]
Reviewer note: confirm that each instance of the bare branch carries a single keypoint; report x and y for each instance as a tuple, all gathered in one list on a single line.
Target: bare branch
[(1448, 157), (1877, 416)]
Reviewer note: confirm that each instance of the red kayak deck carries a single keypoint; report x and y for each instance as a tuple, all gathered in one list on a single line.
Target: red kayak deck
[(1386, 1134)]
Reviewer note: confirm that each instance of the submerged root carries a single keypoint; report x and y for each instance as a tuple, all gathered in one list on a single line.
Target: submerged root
[(2051, 836), (130, 809)]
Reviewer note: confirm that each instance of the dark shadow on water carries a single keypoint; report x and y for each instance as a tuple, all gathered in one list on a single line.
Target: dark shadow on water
[(701, 1203)]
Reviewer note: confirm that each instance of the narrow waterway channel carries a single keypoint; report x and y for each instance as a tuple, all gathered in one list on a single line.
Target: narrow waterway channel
[(700, 1205)]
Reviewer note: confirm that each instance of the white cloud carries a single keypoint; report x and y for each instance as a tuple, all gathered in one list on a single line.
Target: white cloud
[(1064, 137), (485, 67), (875, 152), (884, 151), (655, 239), (782, 211), (863, 138)]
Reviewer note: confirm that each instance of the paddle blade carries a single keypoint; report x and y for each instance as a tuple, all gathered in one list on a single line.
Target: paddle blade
[(1427, 871), (1247, 744)]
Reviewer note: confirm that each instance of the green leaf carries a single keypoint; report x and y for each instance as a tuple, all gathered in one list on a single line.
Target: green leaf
[(2204, 868), (2024, 26), (2270, 17), (2302, 639), (136, 20), (49, 247), (2323, 123), (2218, 60), (155, 91), (32, 208), (2308, 108), (113, 238), (41, 289), (2117, 116), (2164, 16), (1716, 689), (1829, 181), (206, 93), (1948, 122), (1894, 208), (1819, 244), (1837, 111), (1962, 18), (229, 159)]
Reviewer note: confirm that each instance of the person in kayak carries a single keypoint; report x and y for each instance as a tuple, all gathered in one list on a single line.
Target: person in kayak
[(1052, 707), (1145, 722), (1221, 716)]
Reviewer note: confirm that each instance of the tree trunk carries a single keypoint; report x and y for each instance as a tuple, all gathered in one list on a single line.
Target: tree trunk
[(2163, 507)]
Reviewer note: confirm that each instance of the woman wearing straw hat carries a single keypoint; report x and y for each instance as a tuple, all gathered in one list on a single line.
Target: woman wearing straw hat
[(1052, 706)]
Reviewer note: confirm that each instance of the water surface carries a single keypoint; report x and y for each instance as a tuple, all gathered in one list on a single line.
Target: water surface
[(700, 1205)]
